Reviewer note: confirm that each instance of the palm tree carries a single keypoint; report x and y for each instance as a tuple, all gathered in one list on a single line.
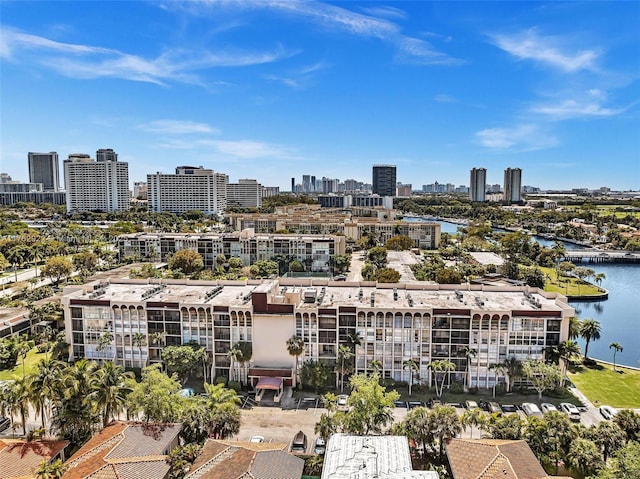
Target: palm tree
[(412, 366), (589, 330), (344, 354), (325, 427), (22, 349), (45, 386), (567, 350), (234, 355), (138, 340), (500, 370), (74, 418), (468, 353), (50, 470), (617, 348), (295, 347), (246, 352), (376, 365), (472, 418), (104, 341), (109, 390), (599, 277), (513, 368), (574, 327), (17, 401), (441, 367)]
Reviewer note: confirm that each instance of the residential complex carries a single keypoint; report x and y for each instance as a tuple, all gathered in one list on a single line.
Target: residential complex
[(190, 188), (512, 186), (384, 180), (478, 184), (349, 201), (396, 322), (92, 185), (44, 168), (245, 194), (315, 251), (311, 219)]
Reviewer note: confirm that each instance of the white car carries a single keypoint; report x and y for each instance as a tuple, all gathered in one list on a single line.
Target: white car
[(342, 402), (571, 410), (531, 409), (257, 439), (607, 412), (547, 407)]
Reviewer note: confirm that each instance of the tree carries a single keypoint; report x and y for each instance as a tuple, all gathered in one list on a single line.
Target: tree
[(413, 367), (44, 386), (399, 243), (295, 348), (137, 341), (387, 275), (441, 368), (505, 427), (535, 278), (50, 470), (109, 389), (473, 418), (567, 351), (156, 397), (617, 348), (315, 374), (183, 360), (608, 436), (582, 273), (104, 341), (56, 268), (584, 457), (187, 261), (222, 404), (625, 464), (542, 375), (468, 353), (344, 355), (371, 406), (17, 401), (448, 276), (513, 368), (233, 355), (447, 425), (378, 256), (265, 268), (85, 262), (181, 458), (325, 427), (589, 331), (235, 263), (22, 348), (629, 421), (574, 327)]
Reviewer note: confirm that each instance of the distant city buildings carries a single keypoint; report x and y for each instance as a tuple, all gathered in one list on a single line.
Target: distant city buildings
[(384, 180), (350, 201), (245, 193), (512, 186), (140, 190), (190, 188), (44, 168), (404, 190), (93, 185), (478, 184)]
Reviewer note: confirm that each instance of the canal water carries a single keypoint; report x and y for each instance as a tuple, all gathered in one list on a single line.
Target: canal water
[(619, 315)]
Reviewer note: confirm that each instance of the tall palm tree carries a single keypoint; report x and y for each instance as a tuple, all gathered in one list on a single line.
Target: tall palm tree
[(617, 348), (74, 417), (17, 402), (574, 327), (109, 390), (234, 358), (104, 341), (376, 366), (344, 354), (246, 352), (295, 347), (567, 351), (589, 331), (513, 368), (413, 367), (218, 396), (472, 418), (45, 387), (468, 353), (500, 370), (443, 368), (22, 349), (138, 340)]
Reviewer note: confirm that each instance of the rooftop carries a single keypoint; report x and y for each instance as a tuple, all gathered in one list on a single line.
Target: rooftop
[(369, 457), (19, 459)]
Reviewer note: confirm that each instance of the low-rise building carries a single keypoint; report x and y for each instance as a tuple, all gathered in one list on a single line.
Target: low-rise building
[(19, 459), (316, 251), (395, 323)]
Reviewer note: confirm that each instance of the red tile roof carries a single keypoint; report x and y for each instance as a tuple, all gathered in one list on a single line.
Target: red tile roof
[(125, 451), (492, 459), (20, 459)]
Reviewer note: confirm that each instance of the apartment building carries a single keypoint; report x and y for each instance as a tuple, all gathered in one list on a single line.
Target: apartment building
[(478, 184), (190, 188), (512, 186), (245, 194), (314, 220), (314, 250), (96, 185), (349, 201), (44, 168), (395, 322)]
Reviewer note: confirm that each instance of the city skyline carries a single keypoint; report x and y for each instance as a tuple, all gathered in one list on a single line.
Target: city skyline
[(281, 89)]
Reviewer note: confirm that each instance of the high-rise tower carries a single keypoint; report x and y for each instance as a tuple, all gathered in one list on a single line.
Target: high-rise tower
[(478, 184), (44, 168), (512, 185), (384, 180)]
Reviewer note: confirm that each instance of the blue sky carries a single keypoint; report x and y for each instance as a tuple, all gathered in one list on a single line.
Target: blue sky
[(271, 89)]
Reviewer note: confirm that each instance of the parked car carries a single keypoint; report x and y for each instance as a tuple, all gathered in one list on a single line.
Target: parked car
[(531, 409), (509, 408), (414, 404), (5, 422), (608, 412), (342, 401), (547, 407), (320, 446), (256, 439), (434, 402), (471, 404), (493, 407), (571, 410), (187, 392), (299, 443), (340, 277), (400, 404)]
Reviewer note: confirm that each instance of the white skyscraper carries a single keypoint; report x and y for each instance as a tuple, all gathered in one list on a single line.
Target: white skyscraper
[(478, 184), (246, 194), (190, 188), (96, 185), (512, 185)]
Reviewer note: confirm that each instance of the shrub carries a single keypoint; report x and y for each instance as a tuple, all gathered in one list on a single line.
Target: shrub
[(388, 382), (221, 380), (456, 388), (235, 385)]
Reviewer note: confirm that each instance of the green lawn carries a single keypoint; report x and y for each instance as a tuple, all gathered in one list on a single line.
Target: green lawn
[(568, 285), (602, 385), (32, 359)]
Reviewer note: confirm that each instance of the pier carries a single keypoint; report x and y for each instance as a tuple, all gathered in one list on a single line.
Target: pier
[(601, 256)]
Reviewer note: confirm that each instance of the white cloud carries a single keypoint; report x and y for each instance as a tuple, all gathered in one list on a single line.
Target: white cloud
[(177, 127), (529, 45), (85, 61), (331, 16), (444, 98), (248, 149), (385, 11), (576, 109), (526, 137)]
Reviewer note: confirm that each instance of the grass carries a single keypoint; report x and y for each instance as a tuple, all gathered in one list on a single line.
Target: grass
[(30, 362), (568, 285), (602, 385)]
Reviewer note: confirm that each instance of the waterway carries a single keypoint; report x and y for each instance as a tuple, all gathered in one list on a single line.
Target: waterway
[(619, 315)]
